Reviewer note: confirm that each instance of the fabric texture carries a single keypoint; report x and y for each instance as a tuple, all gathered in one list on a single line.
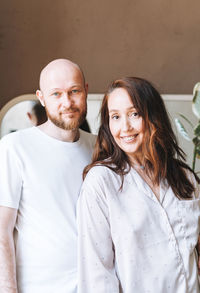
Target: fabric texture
[(131, 242), (41, 177)]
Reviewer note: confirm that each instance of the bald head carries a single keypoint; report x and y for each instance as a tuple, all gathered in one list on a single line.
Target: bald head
[(58, 70), (63, 93)]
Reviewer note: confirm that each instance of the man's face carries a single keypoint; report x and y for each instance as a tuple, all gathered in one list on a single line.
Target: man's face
[(64, 95)]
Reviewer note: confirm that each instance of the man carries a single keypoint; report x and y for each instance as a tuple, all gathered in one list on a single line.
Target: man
[(40, 177)]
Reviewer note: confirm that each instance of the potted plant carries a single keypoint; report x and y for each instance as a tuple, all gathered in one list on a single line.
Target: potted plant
[(195, 129)]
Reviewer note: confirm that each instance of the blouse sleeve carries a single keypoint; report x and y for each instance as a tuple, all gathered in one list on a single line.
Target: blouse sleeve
[(96, 254)]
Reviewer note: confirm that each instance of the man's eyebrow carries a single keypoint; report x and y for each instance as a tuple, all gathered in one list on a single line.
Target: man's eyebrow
[(70, 87), (76, 85), (56, 89)]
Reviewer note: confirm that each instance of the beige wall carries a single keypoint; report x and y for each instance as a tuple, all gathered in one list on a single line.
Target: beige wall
[(157, 39)]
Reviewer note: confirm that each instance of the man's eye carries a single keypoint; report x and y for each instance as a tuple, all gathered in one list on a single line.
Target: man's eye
[(56, 94), (75, 91)]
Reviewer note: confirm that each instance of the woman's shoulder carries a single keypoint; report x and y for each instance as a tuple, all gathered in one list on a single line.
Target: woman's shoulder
[(100, 171), (102, 176)]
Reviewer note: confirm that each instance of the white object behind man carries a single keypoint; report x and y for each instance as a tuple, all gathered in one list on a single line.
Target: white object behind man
[(40, 177)]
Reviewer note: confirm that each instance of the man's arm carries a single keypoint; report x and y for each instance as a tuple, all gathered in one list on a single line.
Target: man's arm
[(8, 283)]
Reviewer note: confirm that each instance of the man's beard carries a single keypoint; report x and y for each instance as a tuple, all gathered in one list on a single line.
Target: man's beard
[(70, 123)]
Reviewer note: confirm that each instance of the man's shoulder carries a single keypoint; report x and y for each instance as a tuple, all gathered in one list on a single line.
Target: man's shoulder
[(16, 137), (88, 138)]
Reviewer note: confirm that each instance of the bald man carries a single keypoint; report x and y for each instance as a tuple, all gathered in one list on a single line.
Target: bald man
[(40, 177)]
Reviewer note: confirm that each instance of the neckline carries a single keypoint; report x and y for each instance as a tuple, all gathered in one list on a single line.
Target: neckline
[(145, 187), (57, 141)]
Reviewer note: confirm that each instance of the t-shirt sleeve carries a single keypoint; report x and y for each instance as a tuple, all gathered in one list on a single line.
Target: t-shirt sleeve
[(96, 253), (10, 176)]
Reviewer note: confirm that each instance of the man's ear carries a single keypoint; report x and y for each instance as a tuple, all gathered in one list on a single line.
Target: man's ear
[(40, 97), (86, 88)]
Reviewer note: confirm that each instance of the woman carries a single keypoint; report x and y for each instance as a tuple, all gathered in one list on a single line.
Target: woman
[(139, 208)]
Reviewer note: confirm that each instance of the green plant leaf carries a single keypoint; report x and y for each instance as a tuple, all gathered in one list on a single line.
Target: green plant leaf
[(188, 121), (196, 100), (181, 129), (197, 130)]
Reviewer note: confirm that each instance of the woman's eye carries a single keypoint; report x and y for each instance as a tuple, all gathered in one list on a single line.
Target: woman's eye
[(115, 117), (134, 114)]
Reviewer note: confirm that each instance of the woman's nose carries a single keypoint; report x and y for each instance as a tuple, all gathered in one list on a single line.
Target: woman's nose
[(126, 124)]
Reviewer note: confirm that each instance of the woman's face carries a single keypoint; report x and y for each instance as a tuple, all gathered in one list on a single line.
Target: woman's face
[(126, 125)]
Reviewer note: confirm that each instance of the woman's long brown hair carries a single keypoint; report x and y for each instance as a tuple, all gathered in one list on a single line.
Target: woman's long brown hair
[(163, 158)]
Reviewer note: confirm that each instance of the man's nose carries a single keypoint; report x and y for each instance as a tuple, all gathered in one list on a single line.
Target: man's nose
[(67, 100)]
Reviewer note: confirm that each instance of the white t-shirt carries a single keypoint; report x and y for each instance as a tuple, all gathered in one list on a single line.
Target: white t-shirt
[(130, 241), (41, 177)]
